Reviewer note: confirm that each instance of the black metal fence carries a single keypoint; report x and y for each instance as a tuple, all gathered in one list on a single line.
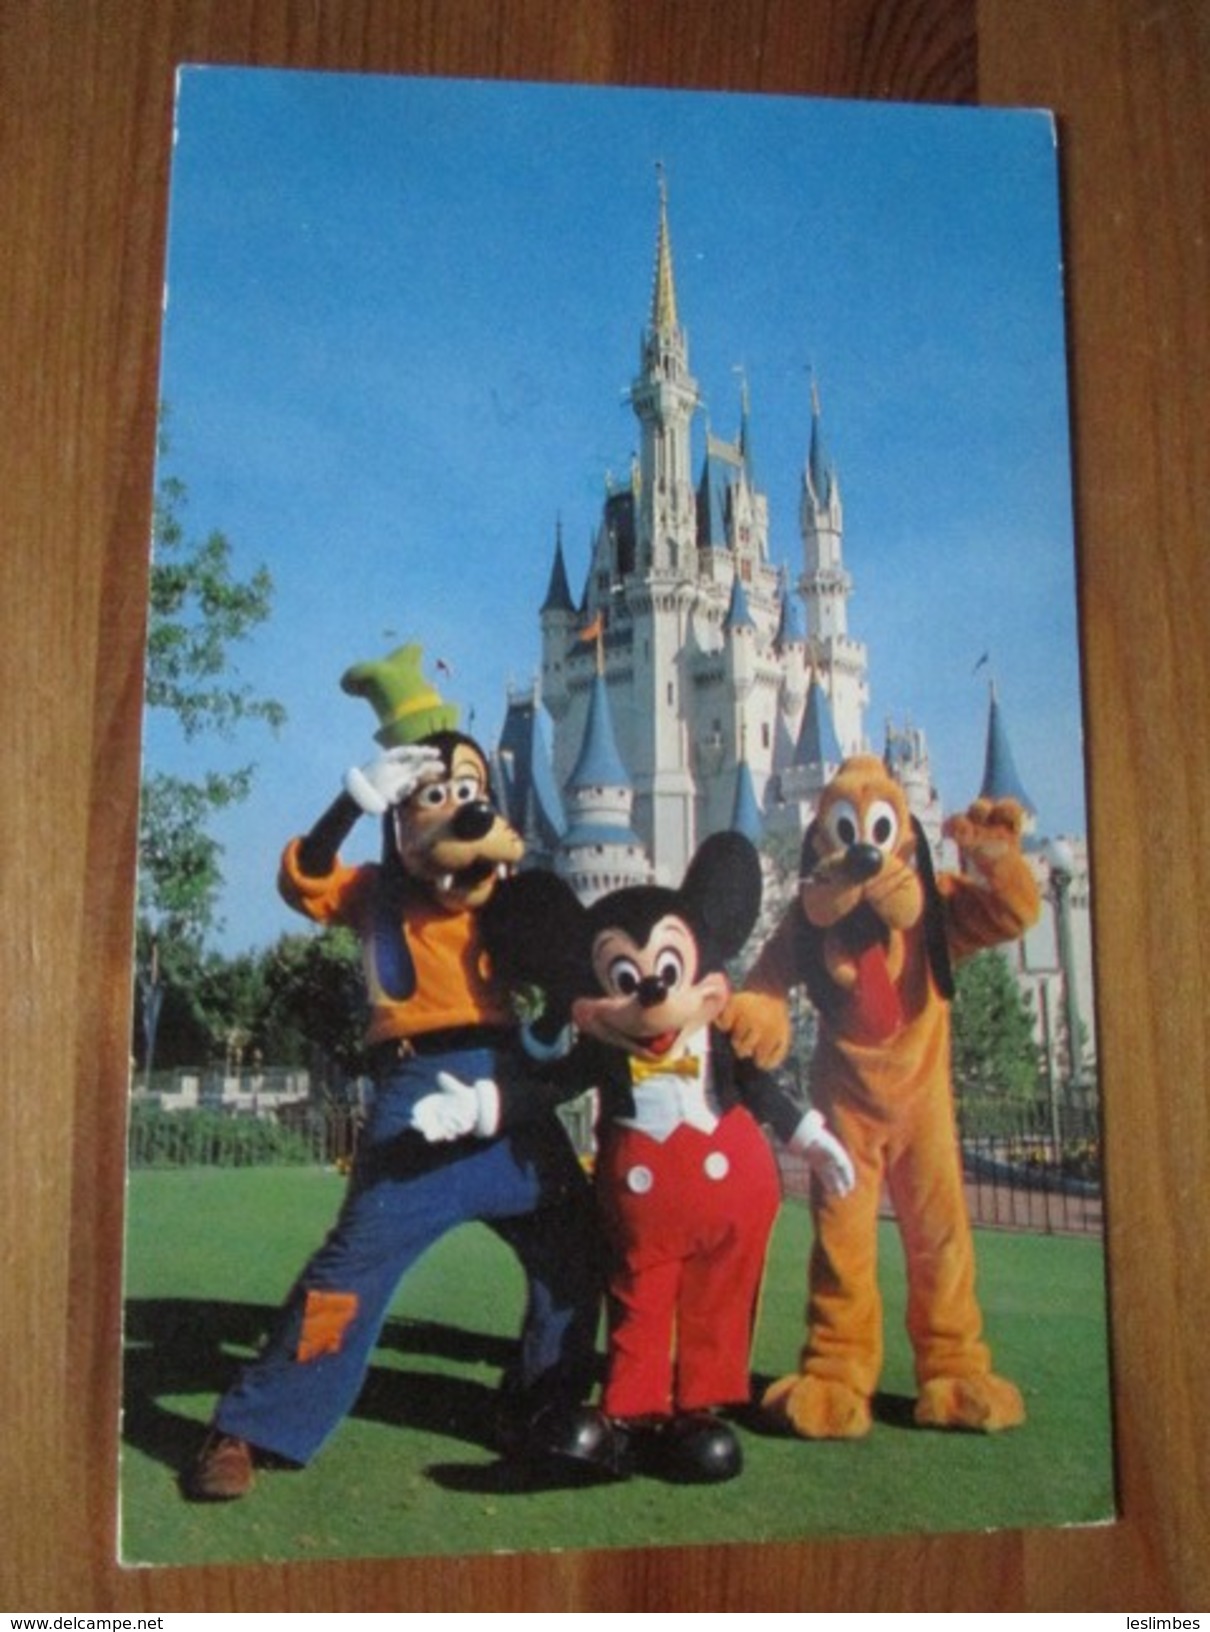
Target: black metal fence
[(1028, 1166), (1035, 1166), (1032, 1165)]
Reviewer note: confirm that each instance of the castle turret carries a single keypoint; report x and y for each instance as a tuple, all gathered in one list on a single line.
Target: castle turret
[(525, 779), (745, 810), (1001, 779), (790, 646), (826, 587), (664, 397), (599, 851), (557, 622)]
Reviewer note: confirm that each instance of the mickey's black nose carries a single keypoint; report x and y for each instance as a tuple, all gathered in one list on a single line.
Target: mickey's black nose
[(652, 990), (863, 861), (473, 821)]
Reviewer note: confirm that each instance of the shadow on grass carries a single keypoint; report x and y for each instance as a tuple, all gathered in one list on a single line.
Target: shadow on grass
[(177, 1346)]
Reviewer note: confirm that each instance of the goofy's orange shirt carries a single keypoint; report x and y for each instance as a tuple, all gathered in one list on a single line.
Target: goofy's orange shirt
[(448, 981)]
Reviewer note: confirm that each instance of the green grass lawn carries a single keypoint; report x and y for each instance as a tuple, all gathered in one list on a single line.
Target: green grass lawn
[(212, 1252)]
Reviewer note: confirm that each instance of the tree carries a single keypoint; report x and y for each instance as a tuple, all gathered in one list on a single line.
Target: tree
[(199, 610), (994, 1052), (315, 1004)]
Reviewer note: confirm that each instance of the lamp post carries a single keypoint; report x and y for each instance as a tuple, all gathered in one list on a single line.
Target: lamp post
[(1062, 871)]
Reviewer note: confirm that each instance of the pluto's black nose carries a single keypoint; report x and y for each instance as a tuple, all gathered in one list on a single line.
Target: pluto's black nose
[(863, 861)]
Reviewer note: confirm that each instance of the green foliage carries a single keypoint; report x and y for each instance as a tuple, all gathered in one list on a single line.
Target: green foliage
[(189, 1138), (994, 1053), (199, 611), (314, 1003), (300, 1002)]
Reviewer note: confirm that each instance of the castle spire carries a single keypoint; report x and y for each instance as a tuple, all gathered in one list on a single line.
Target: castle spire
[(1001, 779), (600, 764), (663, 300), (558, 593), (819, 473)]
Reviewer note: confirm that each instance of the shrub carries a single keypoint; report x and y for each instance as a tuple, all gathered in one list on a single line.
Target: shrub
[(159, 1138)]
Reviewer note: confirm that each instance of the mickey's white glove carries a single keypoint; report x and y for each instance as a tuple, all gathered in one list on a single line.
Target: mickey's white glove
[(393, 777), (827, 1158), (460, 1108)]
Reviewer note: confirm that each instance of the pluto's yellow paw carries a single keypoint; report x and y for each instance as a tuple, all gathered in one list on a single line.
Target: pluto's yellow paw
[(817, 1408), (984, 1404)]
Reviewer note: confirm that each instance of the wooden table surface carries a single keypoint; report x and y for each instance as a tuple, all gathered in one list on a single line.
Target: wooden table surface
[(85, 99)]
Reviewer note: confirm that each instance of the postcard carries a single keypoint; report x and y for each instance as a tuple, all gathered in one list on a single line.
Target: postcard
[(614, 1034)]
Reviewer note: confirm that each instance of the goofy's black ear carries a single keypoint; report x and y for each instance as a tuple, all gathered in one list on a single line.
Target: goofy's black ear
[(721, 893), (534, 933), (934, 917)]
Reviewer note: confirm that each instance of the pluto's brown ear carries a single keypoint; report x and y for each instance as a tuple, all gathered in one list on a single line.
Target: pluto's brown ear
[(721, 895), (806, 855), (934, 917)]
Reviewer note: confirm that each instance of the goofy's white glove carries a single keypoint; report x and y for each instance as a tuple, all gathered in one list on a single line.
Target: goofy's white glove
[(460, 1108), (393, 777), (827, 1158)]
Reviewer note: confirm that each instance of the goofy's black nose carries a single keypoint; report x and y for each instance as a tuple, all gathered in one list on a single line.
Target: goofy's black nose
[(863, 861), (473, 821)]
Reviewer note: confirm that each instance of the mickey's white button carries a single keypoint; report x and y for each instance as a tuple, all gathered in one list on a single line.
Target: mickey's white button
[(716, 1165), (640, 1180)]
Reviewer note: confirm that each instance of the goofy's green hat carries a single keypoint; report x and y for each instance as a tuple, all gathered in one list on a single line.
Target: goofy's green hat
[(407, 706)]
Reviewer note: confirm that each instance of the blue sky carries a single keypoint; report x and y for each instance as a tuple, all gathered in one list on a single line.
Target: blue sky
[(402, 316)]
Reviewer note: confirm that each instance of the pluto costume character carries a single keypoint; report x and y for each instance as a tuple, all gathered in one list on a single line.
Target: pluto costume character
[(871, 937), (686, 1184), (433, 1010)]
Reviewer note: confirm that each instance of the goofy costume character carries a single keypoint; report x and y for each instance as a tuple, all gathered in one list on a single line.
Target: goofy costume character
[(434, 1010)]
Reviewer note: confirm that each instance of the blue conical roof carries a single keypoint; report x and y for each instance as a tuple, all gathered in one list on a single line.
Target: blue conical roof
[(558, 594), (819, 466), (790, 627), (818, 743), (1001, 779), (738, 615), (745, 813), (531, 796), (600, 764), (745, 440)]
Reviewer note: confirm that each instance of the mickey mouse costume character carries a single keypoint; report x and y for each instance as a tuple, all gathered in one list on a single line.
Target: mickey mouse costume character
[(433, 1009), (686, 1183), (871, 937)]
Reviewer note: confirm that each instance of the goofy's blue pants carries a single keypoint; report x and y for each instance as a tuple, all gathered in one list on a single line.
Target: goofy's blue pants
[(403, 1196)]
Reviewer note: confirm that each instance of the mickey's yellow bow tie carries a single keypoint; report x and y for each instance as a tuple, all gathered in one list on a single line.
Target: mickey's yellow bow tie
[(686, 1065)]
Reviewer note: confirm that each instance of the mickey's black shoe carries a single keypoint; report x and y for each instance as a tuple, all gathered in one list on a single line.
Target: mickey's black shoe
[(696, 1448), (579, 1437)]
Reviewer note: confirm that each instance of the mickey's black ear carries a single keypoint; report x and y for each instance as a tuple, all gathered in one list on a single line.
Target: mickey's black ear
[(533, 930), (934, 916), (722, 890)]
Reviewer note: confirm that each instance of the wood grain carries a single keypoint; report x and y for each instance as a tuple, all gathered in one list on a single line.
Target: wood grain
[(85, 119)]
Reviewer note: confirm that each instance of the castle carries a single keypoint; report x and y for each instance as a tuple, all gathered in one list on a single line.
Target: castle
[(692, 686), (719, 691)]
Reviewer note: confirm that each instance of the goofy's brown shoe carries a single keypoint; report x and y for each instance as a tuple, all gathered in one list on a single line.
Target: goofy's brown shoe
[(223, 1470)]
